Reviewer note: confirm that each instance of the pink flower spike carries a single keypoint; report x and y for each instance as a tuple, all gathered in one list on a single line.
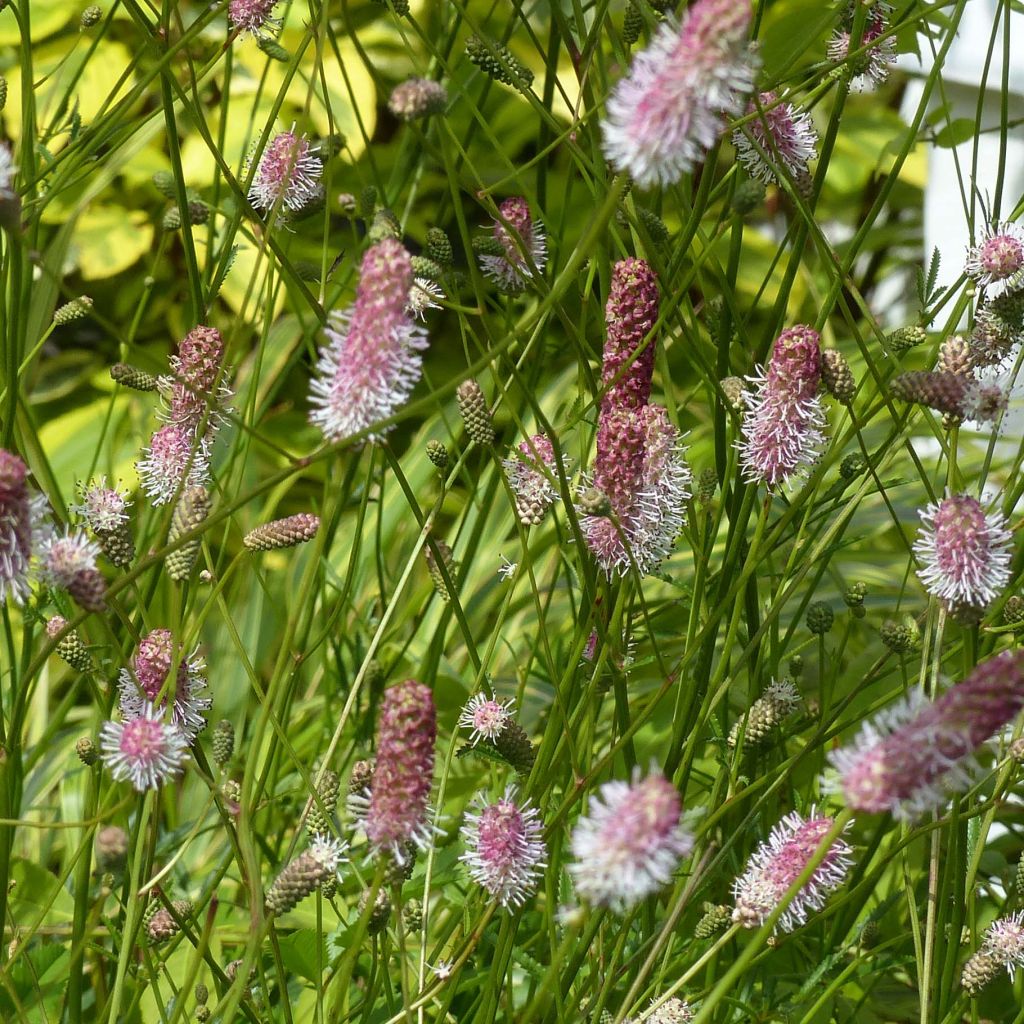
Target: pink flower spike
[(627, 365), (783, 419), (911, 757), (102, 507), (784, 132), (504, 849), (174, 452), (145, 750), (965, 554), (997, 261), (532, 477), (253, 16), (371, 361), (485, 717), (288, 175), (512, 270), (196, 368), (630, 843), (396, 812), (872, 67), (1004, 940), (668, 111), (22, 527), (779, 862)]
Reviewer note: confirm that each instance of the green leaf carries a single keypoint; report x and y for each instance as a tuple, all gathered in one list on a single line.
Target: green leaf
[(299, 953), (956, 132), (109, 239)]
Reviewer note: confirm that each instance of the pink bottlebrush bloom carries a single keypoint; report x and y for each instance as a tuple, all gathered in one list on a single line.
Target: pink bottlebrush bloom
[(174, 453), (641, 468), (423, 295), (288, 175), (912, 756), (1004, 941), (532, 476), (195, 372), (103, 508), (630, 843), (779, 862), (997, 261), (253, 16), (145, 750), (22, 526), (871, 68), (784, 132), (371, 361), (396, 811), (142, 684), (512, 270), (504, 849), (64, 558), (965, 554), (485, 717), (627, 363), (783, 418), (668, 111)]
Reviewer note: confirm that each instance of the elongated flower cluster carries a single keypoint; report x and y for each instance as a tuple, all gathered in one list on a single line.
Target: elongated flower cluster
[(910, 757), (668, 111), (104, 509), (783, 419), (179, 451), (630, 843), (997, 261), (287, 177), (253, 16), (785, 139), (371, 361), (146, 684), (955, 394), (520, 242), (870, 68), (1002, 948), (144, 750), (640, 466), (68, 562), (504, 850), (22, 527), (779, 700), (776, 864), (283, 533), (964, 552), (396, 812), (534, 487), (310, 869)]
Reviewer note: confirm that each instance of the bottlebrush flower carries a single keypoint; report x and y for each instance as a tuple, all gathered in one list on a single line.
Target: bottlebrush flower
[(672, 1011), (997, 261), (1001, 947), (511, 269), (668, 111), (532, 486), (641, 468), (504, 849), (283, 533), (965, 554), (870, 68), (981, 399), (22, 526), (253, 16), (145, 750), (102, 507), (783, 419), (630, 843), (422, 296), (371, 361), (196, 368), (68, 562), (485, 717), (396, 810), (784, 132), (913, 755), (416, 98), (287, 176), (143, 683), (311, 868), (779, 862), (174, 452), (627, 363)]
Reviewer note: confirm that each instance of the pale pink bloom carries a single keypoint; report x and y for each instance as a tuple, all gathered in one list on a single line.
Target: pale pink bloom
[(630, 843), (786, 135), (1004, 940), (63, 558), (423, 295), (783, 419), (485, 717), (253, 16), (23, 528), (669, 110), (997, 261), (533, 478), (630, 314), (174, 453), (965, 553), (512, 269), (779, 862), (912, 756), (872, 67), (142, 684), (371, 361), (145, 750), (504, 849), (288, 175), (194, 391), (103, 508), (672, 1011)]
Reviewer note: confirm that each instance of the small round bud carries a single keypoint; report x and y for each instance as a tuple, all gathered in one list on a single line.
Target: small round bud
[(171, 220), (202, 1013), (593, 502), (87, 751), (273, 49), (438, 247), (198, 212), (163, 182), (748, 197), (111, 847), (796, 665), (852, 466), (854, 596), (132, 377), (202, 994), (223, 742), (837, 376), (360, 777), (76, 309), (412, 915), (734, 392), (903, 339), (819, 618), (91, 16), (475, 415), (162, 926), (899, 637), (437, 453), (380, 913), (1013, 610)]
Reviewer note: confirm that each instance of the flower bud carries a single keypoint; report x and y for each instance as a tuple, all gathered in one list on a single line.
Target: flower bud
[(191, 511), (132, 377), (475, 415), (283, 533)]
